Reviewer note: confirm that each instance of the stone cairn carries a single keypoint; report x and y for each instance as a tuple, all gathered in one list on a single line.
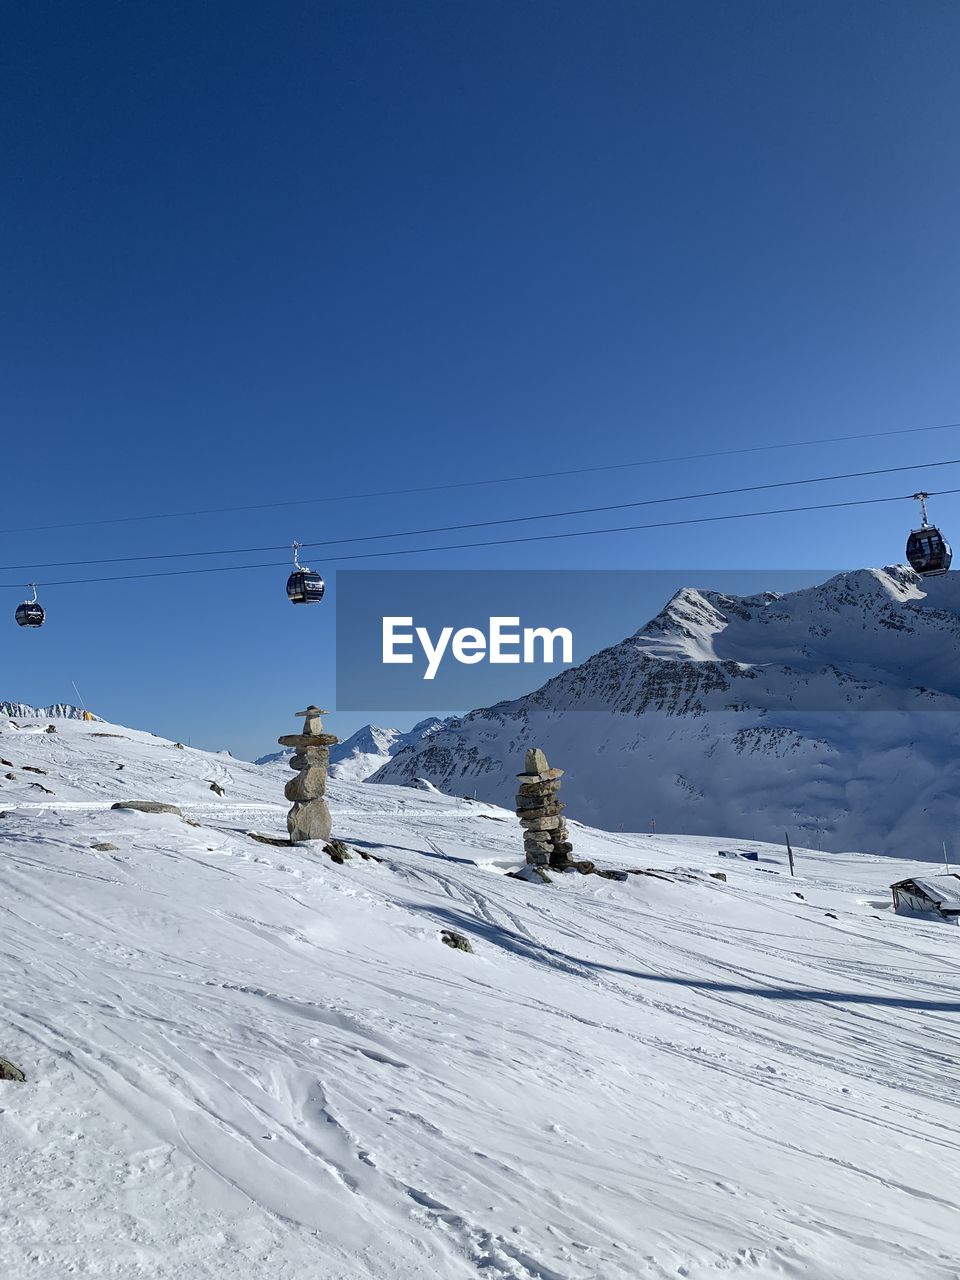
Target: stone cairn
[(309, 819), (538, 807)]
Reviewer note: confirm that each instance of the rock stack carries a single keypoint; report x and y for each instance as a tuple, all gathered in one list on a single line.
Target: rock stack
[(309, 819), (538, 807)]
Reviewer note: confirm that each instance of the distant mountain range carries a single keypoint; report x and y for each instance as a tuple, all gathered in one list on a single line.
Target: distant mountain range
[(365, 751), (57, 710), (830, 712)]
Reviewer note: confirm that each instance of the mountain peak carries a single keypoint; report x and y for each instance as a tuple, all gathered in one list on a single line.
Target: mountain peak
[(366, 750), (745, 715)]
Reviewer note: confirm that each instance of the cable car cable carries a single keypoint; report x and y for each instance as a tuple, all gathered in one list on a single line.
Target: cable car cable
[(486, 524), (468, 484), (496, 542)]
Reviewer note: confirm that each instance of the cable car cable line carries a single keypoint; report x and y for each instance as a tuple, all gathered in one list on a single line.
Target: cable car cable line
[(468, 484), (485, 524), (496, 542)]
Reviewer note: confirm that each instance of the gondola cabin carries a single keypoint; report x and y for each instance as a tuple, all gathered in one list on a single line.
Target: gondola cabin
[(30, 614), (928, 552), (304, 586)]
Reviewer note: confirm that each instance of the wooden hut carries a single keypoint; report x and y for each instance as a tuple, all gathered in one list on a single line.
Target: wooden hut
[(928, 895)]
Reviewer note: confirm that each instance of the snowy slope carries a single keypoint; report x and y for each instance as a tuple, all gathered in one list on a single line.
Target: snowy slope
[(245, 1060), (830, 712), (365, 751), (96, 761)]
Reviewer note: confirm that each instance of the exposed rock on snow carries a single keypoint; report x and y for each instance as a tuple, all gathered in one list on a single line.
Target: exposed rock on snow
[(829, 712), (282, 842), (148, 806), (340, 853), (456, 940), (532, 873), (337, 851), (9, 1072)]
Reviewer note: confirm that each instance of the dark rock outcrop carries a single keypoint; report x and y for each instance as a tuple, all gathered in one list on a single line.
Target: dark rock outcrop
[(148, 806), (451, 938)]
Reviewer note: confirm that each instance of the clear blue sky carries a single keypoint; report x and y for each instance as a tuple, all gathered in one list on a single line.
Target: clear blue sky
[(260, 252)]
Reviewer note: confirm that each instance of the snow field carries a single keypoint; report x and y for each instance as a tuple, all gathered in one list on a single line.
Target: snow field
[(246, 1060)]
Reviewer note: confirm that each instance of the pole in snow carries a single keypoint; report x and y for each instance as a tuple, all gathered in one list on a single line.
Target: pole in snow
[(77, 692), (789, 852), (945, 862)]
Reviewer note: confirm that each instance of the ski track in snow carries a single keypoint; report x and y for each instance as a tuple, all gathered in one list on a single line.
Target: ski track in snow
[(245, 1060)]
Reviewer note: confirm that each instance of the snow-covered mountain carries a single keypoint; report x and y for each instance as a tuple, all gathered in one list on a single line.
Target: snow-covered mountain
[(56, 711), (243, 1060), (830, 712), (367, 750)]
